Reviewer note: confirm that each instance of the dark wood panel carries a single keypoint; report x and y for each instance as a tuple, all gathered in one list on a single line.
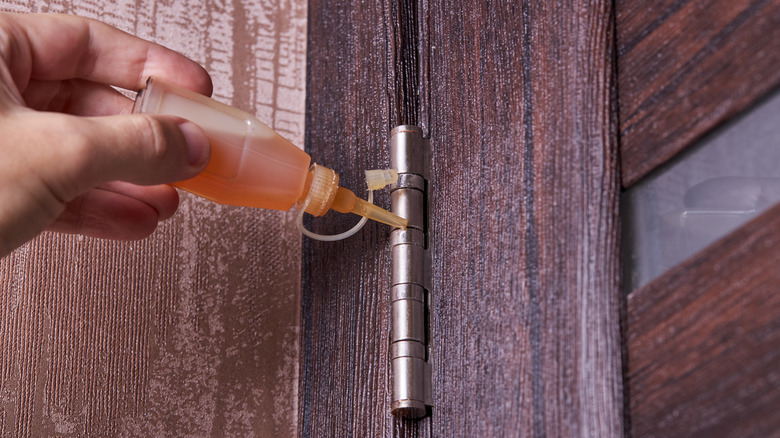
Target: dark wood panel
[(704, 341), (524, 210), (686, 66), (517, 99), (362, 81)]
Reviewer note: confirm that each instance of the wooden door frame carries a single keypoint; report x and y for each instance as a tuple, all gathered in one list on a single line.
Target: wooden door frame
[(518, 101)]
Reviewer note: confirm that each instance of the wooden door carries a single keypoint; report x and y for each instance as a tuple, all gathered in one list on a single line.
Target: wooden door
[(521, 104), (703, 340)]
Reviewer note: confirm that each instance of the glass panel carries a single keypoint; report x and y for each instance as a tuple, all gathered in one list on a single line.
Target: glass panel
[(730, 177)]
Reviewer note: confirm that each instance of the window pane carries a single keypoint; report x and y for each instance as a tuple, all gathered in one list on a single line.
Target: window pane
[(730, 177)]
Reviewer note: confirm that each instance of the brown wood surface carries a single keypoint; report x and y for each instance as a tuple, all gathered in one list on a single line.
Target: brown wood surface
[(686, 66), (517, 99), (192, 332), (345, 382), (704, 341)]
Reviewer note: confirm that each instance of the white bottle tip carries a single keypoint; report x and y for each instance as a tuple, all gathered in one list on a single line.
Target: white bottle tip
[(378, 179)]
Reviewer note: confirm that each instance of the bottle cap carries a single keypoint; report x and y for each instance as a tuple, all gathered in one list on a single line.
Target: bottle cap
[(322, 191)]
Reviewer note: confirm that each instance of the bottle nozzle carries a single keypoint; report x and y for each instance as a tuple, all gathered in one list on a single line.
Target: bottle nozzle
[(323, 193), (371, 211), (346, 202)]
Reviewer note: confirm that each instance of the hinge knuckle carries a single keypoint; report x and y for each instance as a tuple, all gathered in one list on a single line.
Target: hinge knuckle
[(411, 276)]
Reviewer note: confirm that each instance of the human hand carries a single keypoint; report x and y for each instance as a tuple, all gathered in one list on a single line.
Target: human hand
[(74, 159)]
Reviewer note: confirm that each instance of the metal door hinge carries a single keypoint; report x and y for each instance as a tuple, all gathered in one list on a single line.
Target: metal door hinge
[(411, 280)]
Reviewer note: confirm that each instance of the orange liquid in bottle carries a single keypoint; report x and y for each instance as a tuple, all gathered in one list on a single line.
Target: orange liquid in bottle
[(250, 178), (251, 165)]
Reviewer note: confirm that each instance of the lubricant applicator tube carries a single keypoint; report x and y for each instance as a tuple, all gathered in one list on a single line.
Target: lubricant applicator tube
[(251, 165)]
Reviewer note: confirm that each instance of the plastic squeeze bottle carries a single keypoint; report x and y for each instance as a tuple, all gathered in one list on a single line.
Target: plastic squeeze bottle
[(251, 165)]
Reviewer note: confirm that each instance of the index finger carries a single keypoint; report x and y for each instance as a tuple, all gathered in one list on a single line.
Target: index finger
[(63, 47)]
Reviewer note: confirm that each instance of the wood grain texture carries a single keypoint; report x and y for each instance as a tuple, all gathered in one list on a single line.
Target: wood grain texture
[(524, 207), (345, 386), (704, 341), (517, 99), (193, 331), (686, 66)]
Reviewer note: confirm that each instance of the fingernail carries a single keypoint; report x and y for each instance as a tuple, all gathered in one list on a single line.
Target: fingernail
[(198, 147)]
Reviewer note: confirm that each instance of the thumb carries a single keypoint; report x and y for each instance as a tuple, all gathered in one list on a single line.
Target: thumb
[(142, 149), (50, 159)]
